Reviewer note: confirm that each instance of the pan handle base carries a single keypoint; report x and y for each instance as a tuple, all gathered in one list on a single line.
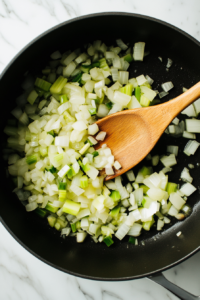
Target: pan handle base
[(174, 289)]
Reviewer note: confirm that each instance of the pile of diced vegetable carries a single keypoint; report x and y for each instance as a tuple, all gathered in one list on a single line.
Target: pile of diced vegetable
[(51, 154)]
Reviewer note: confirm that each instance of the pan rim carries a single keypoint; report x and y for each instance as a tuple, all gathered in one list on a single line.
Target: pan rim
[(139, 16)]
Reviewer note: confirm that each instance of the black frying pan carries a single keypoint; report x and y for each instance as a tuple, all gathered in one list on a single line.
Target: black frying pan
[(122, 261)]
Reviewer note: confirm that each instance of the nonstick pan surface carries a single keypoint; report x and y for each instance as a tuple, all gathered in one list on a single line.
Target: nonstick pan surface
[(156, 251)]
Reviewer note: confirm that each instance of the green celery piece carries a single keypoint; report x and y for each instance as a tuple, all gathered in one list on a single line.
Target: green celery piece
[(138, 93), (73, 227), (50, 207), (62, 195), (97, 101), (87, 68), (57, 226), (86, 167), (77, 78), (154, 102), (109, 105), (32, 159), (42, 84), (145, 188), (146, 202), (128, 58), (32, 97), (43, 151), (71, 207), (62, 185), (84, 182), (147, 225), (71, 173), (95, 153), (115, 212), (78, 225), (62, 223), (115, 195), (108, 241), (131, 240), (145, 171), (41, 212), (171, 187), (63, 98), (127, 89), (144, 101), (46, 95), (147, 85), (60, 82), (103, 65), (58, 157), (51, 220), (92, 111), (39, 91), (52, 170)]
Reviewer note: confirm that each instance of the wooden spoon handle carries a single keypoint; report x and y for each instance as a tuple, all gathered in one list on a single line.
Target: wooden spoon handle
[(175, 106)]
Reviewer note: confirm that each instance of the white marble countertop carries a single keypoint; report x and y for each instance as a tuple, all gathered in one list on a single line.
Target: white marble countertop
[(22, 276)]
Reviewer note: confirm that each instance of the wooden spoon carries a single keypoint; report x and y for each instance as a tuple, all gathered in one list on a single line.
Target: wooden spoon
[(131, 134)]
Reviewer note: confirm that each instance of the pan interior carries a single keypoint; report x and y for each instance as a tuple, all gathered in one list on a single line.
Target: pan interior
[(122, 260)]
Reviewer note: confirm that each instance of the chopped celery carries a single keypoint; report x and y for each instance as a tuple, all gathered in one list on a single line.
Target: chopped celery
[(73, 227), (128, 58), (146, 171), (41, 212), (108, 241), (92, 111), (146, 202), (171, 187), (32, 97), (87, 68), (77, 78), (115, 195), (115, 212), (144, 101), (43, 151), (51, 220), (46, 94), (56, 88), (63, 98), (131, 240), (57, 226), (62, 195), (97, 101), (127, 89), (50, 207), (71, 207), (62, 185), (68, 117), (62, 223), (109, 105), (138, 93), (103, 65), (52, 170), (42, 84), (84, 182), (39, 91), (147, 225), (86, 167), (95, 153), (58, 157), (145, 188), (71, 173), (32, 159)]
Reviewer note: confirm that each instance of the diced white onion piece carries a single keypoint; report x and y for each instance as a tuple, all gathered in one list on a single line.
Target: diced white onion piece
[(92, 140), (69, 58), (191, 147), (109, 171), (122, 231), (63, 107), (173, 211), (63, 171), (31, 206), (56, 55), (130, 175), (150, 94), (192, 125), (67, 71), (102, 111), (169, 63), (101, 136), (189, 135), (175, 121), (92, 173), (163, 94), (138, 51), (93, 129), (62, 141), (80, 237), (185, 176), (117, 63), (123, 77), (155, 160), (79, 125), (16, 112), (121, 98), (121, 44), (169, 161), (197, 106), (157, 194), (134, 103), (117, 165), (189, 111), (160, 224), (141, 80), (115, 74), (149, 79), (176, 200), (172, 149), (167, 86), (187, 189)]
